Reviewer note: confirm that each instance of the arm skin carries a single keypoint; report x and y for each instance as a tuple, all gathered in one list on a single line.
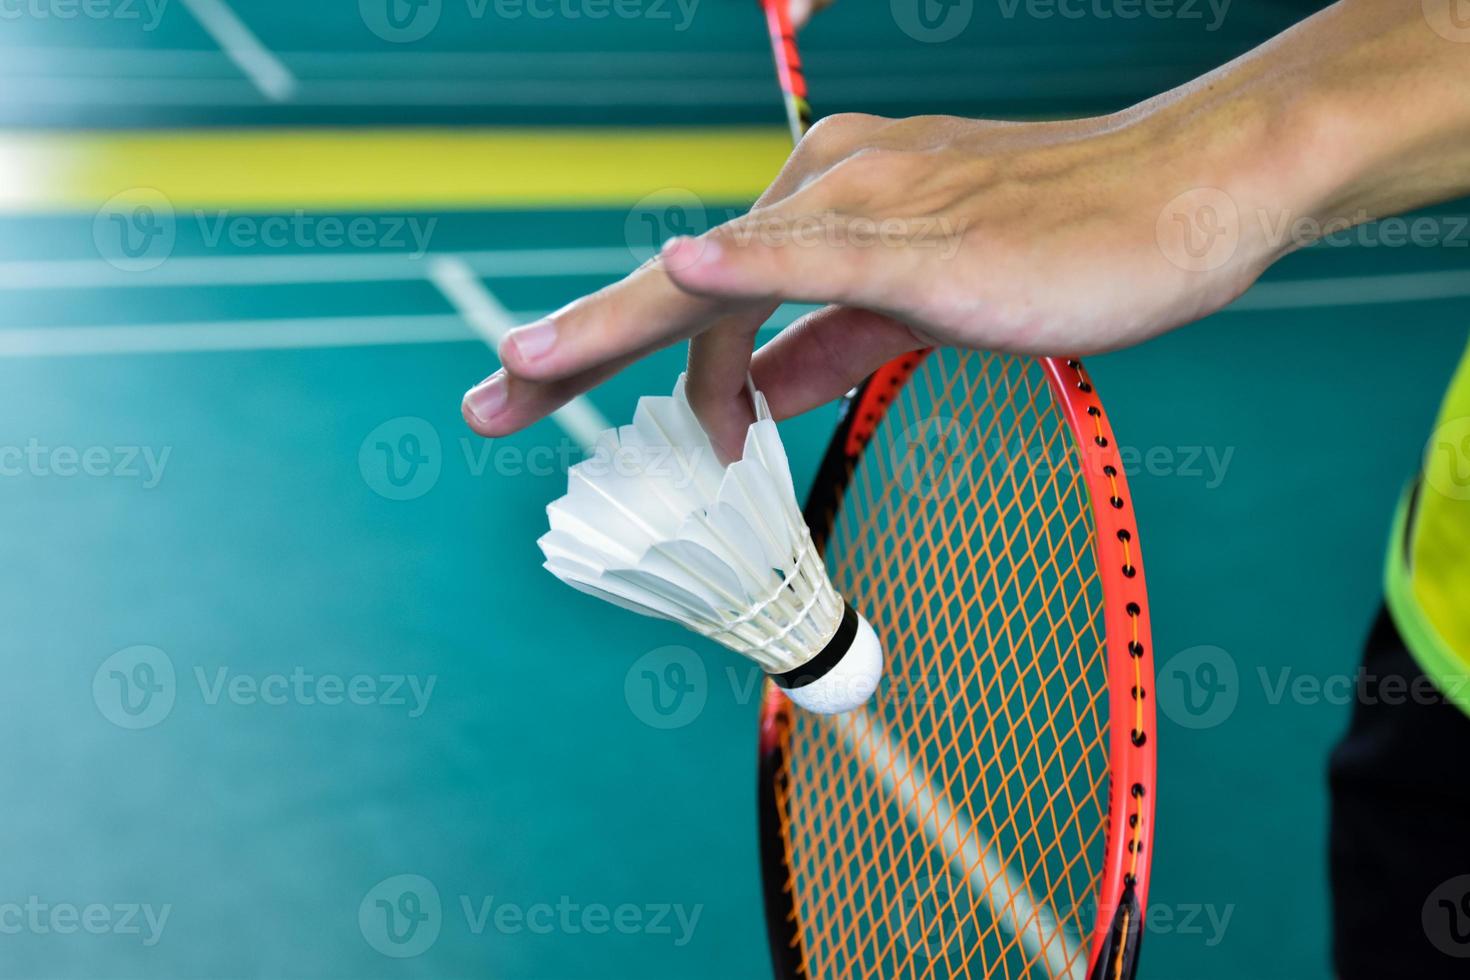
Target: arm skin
[(1046, 238)]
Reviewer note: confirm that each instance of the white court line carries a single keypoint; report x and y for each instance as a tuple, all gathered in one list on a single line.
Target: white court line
[(265, 270), (468, 294), (237, 41), (268, 270), (1401, 287), (272, 334), (232, 335), (1048, 943)]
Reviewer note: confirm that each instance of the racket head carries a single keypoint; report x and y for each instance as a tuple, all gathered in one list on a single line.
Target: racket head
[(990, 813)]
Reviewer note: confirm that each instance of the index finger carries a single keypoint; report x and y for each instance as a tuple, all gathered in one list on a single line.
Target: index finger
[(639, 314)]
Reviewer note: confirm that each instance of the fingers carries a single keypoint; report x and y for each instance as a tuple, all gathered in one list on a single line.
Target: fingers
[(719, 361), (825, 354), (503, 403), (819, 257), (801, 12), (641, 314)]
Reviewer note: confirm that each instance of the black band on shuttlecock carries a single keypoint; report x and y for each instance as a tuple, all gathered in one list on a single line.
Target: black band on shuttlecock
[(827, 658)]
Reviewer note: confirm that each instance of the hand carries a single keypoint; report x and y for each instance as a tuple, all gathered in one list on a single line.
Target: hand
[(1037, 238)]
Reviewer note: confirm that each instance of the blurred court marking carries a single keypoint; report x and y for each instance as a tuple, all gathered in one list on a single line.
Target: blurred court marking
[(972, 855), (244, 48), (1351, 290), (550, 263), (286, 170), (233, 335), (570, 79), (468, 294), (262, 270)]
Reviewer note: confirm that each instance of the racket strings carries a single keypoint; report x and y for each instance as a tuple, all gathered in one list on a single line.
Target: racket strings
[(956, 827)]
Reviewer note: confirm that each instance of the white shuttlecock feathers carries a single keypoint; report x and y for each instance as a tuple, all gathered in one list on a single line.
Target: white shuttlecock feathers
[(653, 522)]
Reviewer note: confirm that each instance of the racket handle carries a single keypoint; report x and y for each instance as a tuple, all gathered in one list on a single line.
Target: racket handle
[(788, 67)]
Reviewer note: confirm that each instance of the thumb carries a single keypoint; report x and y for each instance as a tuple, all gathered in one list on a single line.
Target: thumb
[(823, 258)]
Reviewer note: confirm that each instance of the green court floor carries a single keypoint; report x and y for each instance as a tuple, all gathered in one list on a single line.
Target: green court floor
[(276, 632)]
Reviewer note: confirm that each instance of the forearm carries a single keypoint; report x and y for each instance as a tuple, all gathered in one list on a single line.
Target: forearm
[(1361, 111)]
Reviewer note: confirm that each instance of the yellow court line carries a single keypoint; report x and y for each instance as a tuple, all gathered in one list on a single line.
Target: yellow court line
[(350, 169)]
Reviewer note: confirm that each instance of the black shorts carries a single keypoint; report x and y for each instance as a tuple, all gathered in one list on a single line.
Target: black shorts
[(1400, 837)]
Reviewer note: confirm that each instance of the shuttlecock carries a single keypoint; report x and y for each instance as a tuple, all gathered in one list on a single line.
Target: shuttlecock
[(653, 522)]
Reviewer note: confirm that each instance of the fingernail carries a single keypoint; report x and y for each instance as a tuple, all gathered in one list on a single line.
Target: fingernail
[(486, 399), (682, 252), (533, 340)]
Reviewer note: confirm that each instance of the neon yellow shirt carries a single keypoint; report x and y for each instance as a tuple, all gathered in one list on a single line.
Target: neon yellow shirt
[(1427, 582)]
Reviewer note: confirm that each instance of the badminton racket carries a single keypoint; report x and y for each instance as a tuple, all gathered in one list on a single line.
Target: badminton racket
[(990, 812)]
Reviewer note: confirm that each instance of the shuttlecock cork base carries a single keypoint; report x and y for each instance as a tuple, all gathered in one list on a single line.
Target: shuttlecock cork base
[(653, 522), (843, 674)]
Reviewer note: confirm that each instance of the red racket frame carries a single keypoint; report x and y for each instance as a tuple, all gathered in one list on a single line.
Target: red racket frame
[(1123, 891)]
